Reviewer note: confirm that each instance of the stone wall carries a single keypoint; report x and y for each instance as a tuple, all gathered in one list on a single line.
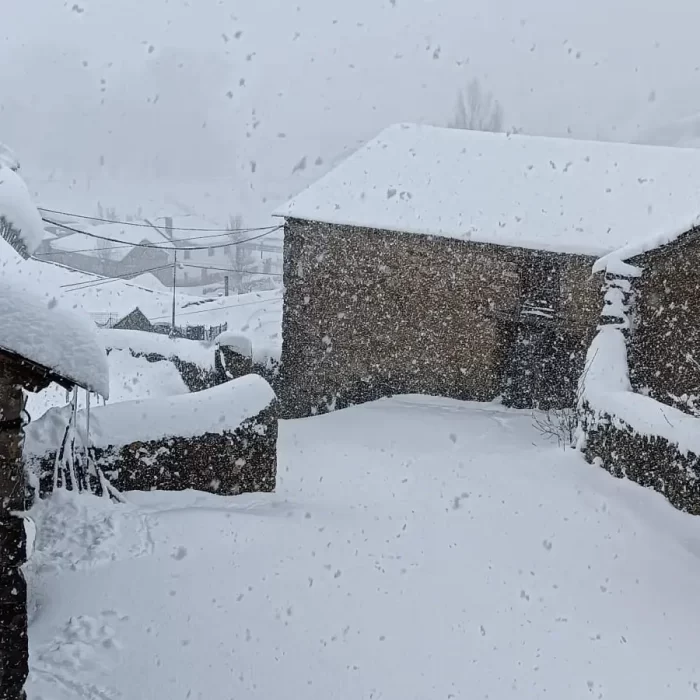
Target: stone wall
[(650, 461), (581, 295), (664, 352), (227, 463), (634, 436), (370, 313)]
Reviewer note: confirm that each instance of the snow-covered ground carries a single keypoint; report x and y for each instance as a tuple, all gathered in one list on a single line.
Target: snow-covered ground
[(415, 548)]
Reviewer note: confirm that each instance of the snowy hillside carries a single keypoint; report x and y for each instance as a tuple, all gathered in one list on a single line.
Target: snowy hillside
[(416, 548)]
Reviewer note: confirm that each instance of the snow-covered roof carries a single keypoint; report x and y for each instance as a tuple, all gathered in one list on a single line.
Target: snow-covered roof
[(89, 245), (615, 262), (39, 328), (557, 195), (17, 208)]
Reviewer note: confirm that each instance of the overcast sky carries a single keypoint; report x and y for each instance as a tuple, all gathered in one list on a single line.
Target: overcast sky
[(234, 95)]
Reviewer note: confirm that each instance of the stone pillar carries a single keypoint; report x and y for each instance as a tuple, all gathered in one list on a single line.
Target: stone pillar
[(14, 652)]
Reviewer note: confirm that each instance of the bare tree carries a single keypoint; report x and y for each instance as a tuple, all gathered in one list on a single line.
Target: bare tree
[(477, 110), (239, 254)]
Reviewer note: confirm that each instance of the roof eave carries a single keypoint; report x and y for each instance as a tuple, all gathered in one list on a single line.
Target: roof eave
[(46, 374)]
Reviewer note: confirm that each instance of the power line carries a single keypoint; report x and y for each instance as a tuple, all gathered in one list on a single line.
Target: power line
[(86, 284), (74, 269), (270, 229), (230, 269), (140, 225), (219, 308), (165, 245)]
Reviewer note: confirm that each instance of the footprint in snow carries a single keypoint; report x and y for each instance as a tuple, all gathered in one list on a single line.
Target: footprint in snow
[(179, 554)]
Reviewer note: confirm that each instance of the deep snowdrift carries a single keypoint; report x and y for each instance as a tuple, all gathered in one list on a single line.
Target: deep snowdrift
[(417, 548), (34, 326)]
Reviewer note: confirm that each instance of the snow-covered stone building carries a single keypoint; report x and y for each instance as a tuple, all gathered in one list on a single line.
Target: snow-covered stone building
[(460, 263)]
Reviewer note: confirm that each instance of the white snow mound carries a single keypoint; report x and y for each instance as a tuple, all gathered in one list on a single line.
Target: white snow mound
[(17, 208), (35, 327)]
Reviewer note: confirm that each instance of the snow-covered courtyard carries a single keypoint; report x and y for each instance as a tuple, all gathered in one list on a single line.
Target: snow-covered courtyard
[(415, 548)]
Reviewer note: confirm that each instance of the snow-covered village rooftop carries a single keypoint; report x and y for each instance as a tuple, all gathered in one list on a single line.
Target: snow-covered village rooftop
[(550, 194), (102, 239)]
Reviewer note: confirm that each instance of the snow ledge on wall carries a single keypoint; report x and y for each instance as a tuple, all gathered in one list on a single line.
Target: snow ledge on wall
[(606, 388), (222, 408)]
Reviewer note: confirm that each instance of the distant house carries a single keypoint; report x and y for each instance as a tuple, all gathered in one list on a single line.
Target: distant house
[(459, 263), (122, 255), (134, 321)]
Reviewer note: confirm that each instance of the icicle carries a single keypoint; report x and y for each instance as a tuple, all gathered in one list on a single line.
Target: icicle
[(91, 473), (71, 453)]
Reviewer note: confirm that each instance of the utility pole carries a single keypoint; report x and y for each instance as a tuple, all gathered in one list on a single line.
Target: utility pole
[(169, 231), (172, 331), (169, 236), (225, 285)]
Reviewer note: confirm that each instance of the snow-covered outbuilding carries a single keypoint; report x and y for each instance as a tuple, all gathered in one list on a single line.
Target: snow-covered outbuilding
[(40, 343), (460, 263)]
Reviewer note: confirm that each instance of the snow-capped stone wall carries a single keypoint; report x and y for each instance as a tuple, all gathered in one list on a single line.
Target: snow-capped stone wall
[(222, 440), (628, 433)]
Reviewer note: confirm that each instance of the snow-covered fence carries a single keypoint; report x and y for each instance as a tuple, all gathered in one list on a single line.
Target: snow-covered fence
[(630, 434), (106, 319), (222, 440)]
